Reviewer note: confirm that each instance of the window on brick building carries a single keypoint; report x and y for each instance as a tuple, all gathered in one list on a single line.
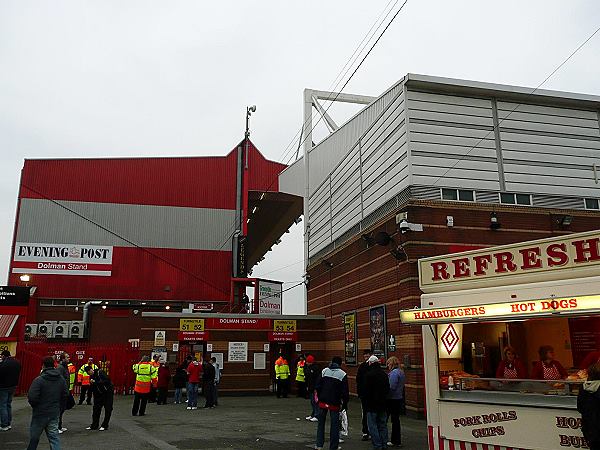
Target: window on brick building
[(462, 195), (515, 199), (592, 203)]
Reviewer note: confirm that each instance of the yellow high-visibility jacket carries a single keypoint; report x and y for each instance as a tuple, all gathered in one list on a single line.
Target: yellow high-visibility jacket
[(282, 369), (300, 371), (82, 375), (146, 375)]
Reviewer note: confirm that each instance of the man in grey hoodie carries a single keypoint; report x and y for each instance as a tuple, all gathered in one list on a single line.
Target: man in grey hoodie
[(47, 394), (588, 404)]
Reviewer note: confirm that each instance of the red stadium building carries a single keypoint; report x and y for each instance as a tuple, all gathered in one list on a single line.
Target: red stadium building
[(103, 240)]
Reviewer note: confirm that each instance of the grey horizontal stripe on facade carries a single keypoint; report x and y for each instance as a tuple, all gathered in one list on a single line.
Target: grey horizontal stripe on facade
[(442, 123), (466, 157), (583, 137), (145, 225), (526, 162)]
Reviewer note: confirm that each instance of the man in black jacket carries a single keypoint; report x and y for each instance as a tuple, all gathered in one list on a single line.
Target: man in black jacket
[(377, 388), (46, 395), (9, 378), (332, 395), (312, 372), (361, 373), (208, 382), (103, 392), (588, 404)]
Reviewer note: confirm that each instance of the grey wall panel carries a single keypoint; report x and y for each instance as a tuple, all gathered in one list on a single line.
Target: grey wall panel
[(144, 225), (326, 155), (548, 128), (381, 151), (291, 180), (548, 201), (457, 141), (506, 107), (392, 118), (540, 139), (425, 192), (456, 179), (444, 117), (487, 197), (448, 99)]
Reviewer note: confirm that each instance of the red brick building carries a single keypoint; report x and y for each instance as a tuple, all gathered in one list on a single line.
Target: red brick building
[(456, 165)]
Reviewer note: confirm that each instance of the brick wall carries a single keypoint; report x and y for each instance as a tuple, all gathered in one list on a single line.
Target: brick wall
[(360, 277)]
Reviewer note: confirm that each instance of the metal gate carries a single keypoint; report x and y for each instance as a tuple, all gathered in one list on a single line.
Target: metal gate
[(115, 359)]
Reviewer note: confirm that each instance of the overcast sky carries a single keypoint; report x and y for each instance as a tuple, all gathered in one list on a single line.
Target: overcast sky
[(153, 78)]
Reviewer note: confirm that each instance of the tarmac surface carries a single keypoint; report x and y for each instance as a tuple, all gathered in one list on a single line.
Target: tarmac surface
[(237, 423)]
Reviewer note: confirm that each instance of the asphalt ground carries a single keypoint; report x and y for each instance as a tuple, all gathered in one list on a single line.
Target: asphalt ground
[(237, 423)]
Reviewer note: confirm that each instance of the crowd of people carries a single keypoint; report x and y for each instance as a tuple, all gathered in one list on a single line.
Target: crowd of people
[(380, 388), (381, 394), (51, 394)]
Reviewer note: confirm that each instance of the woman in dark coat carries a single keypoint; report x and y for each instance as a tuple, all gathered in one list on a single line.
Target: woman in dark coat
[(162, 386), (588, 404), (180, 381)]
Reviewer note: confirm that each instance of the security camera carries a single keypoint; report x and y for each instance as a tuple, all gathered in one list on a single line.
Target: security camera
[(136, 311), (404, 226)]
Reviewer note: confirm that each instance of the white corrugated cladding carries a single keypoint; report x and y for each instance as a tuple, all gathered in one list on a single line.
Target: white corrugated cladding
[(443, 130), (372, 171), (426, 133), (549, 150)]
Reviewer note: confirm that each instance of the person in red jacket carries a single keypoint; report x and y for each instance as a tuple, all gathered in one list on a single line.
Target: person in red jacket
[(194, 371), (510, 367), (547, 368), (162, 386)]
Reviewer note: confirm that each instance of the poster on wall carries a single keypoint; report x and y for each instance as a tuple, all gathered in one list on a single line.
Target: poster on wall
[(269, 297), (378, 331), (237, 352), (350, 338), (585, 340)]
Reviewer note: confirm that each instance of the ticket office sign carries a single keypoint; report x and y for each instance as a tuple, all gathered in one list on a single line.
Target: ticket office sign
[(188, 336), (191, 324), (284, 326), (511, 426)]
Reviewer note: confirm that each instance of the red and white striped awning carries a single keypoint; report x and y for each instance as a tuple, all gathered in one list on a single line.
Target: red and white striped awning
[(7, 323)]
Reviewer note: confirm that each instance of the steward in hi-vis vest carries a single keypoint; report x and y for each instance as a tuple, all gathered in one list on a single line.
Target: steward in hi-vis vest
[(300, 380), (146, 376), (282, 375), (84, 379)]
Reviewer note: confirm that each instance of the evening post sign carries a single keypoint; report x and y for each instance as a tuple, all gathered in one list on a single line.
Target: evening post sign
[(62, 259)]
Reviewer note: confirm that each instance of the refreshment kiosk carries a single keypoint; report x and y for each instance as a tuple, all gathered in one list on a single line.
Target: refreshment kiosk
[(507, 335)]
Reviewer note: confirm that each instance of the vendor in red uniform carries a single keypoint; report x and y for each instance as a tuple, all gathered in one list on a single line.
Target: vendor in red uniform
[(510, 367), (547, 368)]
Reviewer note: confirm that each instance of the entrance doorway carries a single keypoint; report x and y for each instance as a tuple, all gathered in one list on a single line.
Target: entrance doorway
[(195, 349)]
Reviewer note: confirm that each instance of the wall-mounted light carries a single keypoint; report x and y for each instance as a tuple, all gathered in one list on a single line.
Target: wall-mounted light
[(494, 222), (167, 307), (103, 306), (25, 278), (368, 239), (384, 239), (566, 220), (328, 264)]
